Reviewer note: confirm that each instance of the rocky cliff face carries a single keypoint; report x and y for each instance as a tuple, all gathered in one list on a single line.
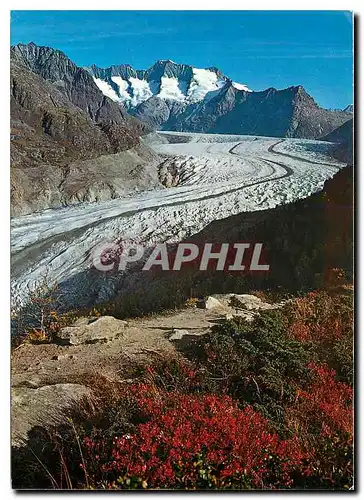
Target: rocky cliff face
[(46, 125), (60, 121)]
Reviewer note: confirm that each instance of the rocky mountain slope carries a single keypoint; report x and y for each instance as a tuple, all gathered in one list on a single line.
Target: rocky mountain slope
[(79, 88), (60, 121), (179, 97), (343, 136)]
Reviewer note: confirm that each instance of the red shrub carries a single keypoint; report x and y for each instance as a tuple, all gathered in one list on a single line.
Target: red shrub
[(194, 441), (326, 403), (322, 417), (320, 318)]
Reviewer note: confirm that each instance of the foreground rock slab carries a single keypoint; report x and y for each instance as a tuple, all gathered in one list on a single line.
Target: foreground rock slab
[(41, 406)]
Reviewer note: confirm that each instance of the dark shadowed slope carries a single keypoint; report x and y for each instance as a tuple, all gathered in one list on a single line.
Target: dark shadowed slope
[(343, 135)]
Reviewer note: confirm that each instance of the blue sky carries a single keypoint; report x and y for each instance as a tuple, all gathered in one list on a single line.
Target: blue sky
[(262, 49)]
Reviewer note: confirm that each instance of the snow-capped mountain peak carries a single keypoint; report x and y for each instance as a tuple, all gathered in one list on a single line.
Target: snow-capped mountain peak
[(166, 79)]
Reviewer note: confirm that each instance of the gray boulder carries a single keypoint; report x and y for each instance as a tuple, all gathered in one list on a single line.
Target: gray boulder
[(104, 329)]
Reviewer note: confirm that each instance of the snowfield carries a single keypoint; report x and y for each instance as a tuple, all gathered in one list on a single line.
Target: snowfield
[(217, 176), (134, 91)]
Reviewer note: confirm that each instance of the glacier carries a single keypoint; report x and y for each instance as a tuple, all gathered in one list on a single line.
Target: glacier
[(219, 176)]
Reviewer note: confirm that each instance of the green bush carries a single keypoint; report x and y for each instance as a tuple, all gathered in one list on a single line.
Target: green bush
[(256, 363)]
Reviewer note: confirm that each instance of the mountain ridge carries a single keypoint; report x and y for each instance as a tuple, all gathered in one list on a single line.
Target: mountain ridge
[(69, 142), (74, 82), (165, 78), (206, 100), (172, 96)]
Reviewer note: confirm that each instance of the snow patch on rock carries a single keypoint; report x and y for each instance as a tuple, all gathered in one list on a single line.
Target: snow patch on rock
[(140, 91), (241, 86), (123, 87), (203, 82), (170, 89), (107, 90)]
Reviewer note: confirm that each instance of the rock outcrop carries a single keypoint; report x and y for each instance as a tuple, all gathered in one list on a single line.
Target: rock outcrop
[(344, 138), (42, 406), (103, 329)]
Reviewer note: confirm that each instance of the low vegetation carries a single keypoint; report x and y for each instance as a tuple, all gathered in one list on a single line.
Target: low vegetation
[(259, 405)]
